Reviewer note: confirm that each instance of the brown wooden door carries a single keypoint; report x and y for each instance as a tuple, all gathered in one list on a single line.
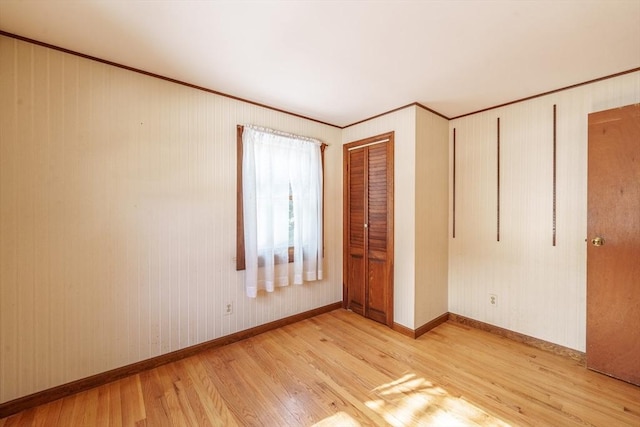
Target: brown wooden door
[(613, 263), (368, 228)]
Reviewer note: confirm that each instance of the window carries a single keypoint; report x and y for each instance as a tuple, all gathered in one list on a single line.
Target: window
[(279, 205)]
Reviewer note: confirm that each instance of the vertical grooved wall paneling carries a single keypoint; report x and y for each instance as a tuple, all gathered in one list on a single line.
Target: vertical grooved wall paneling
[(117, 218), (540, 288)]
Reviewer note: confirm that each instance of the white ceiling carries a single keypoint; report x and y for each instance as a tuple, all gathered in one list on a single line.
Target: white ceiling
[(343, 61)]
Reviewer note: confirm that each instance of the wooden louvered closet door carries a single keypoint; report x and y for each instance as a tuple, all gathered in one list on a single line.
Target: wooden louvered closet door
[(368, 228)]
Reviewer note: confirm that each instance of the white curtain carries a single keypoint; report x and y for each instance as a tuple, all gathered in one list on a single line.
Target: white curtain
[(274, 166)]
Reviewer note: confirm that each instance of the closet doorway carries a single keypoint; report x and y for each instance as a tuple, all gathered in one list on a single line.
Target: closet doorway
[(368, 228)]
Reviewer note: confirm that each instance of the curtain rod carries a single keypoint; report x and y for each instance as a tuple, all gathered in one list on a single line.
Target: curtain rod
[(285, 134)]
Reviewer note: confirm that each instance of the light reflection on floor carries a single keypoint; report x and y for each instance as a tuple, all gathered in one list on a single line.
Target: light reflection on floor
[(339, 419), (411, 401), (414, 401)]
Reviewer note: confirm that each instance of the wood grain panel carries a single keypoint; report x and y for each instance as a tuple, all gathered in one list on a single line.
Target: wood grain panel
[(368, 287), (613, 269), (356, 208), (377, 198), (356, 294), (356, 200), (377, 290)]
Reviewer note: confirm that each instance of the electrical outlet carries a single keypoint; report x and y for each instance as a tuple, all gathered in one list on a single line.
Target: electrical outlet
[(493, 300), (228, 309)]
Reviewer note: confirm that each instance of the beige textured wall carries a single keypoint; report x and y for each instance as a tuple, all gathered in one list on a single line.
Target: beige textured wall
[(117, 218), (541, 289), (431, 216)]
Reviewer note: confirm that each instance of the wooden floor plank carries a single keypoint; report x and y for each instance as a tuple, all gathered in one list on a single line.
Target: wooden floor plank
[(434, 367), (292, 410), (216, 410), (153, 399), (90, 407), (339, 369), (325, 397), (293, 393), (115, 404), (132, 398), (249, 403), (170, 384)]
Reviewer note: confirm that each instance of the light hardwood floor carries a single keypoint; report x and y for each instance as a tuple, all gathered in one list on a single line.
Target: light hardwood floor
[(339, 369)]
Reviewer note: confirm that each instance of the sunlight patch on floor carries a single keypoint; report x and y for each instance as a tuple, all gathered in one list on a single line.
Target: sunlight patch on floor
[(411, 400), (340, 419)]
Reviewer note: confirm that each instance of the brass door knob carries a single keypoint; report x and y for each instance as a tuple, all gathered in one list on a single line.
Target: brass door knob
[(597, 241)]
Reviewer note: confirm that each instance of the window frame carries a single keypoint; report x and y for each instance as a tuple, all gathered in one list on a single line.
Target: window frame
[(240, 257)]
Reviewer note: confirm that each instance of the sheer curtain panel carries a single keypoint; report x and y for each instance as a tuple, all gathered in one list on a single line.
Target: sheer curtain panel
[(282, 199)]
